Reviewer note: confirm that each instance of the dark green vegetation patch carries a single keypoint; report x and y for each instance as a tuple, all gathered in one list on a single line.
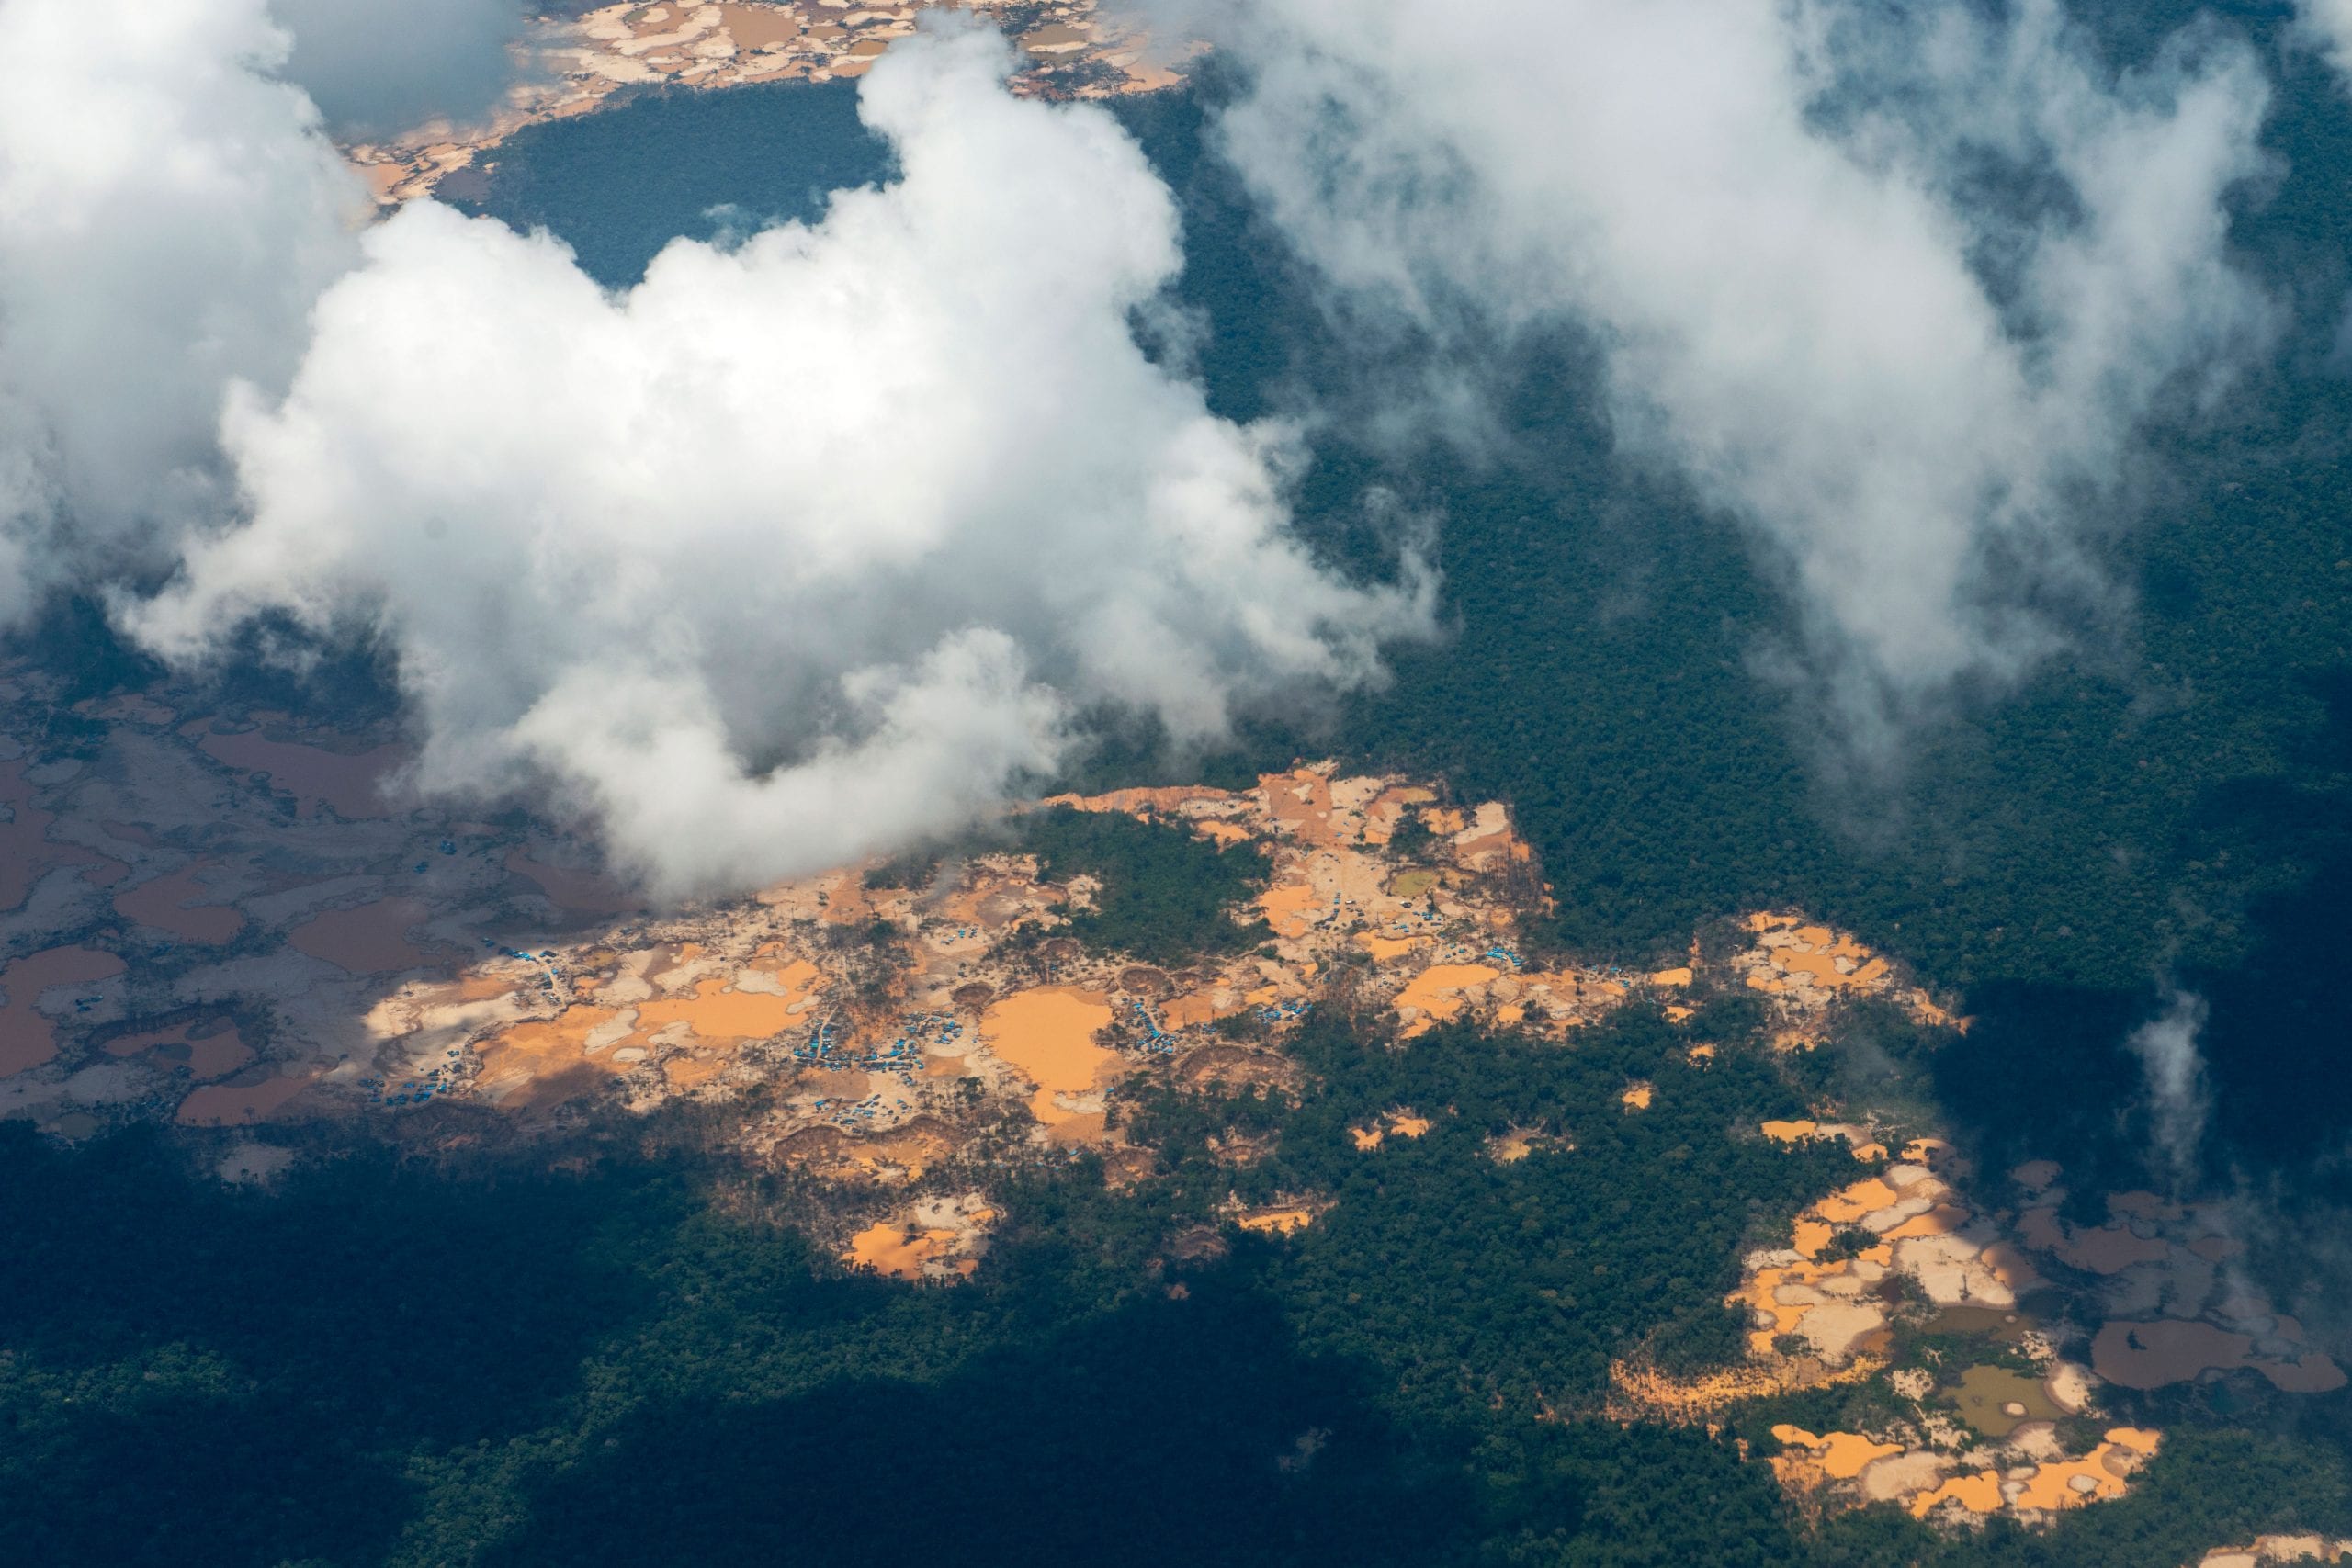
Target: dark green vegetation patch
[(1167, 895)]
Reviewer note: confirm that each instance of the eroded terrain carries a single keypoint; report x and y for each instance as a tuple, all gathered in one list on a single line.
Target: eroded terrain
[(247, 927), (571, 65), (1880, 1277)]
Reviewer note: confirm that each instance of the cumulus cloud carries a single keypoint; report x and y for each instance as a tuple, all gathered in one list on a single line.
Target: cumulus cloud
[(167, 215), (808, 543), (373, 67), (1894, 287)]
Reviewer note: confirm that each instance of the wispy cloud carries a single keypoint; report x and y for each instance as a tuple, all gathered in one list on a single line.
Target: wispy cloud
[(168, 215), (1892, 287), (2167, 1048)]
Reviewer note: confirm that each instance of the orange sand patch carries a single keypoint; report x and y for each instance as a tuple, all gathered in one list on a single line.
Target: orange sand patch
[(516, 1061), (1162, 801), (1941, 1220), (1048, 1036), (1436, 992), (482, 988), (351, 785), (1638, 1097), (163, 902), (372, 939), (1935, 1017), (1821, 968), (1077, 1127), (1381, 817), (1671, 978), (1224, 834), (1404, 1123), (1514, 1143), (1290, 910), (1810, 1237), (1644, 1393), (1843, 1454), (1979, 1493), (215, 1056), (800, 977), (888, 1249), (1790, 1131), (2072, 1482), (1190, 1011), (1277, 1221), (1762, 1293), (1864, 1197), (235, 1105), (1301, 801), (1384, 948), (719, 1015), (1840, 1455), (691, 1072), (847, 903), (27, 1039)]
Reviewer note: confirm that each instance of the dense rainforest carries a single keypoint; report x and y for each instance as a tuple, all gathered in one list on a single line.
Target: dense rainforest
[(654, 1356), (648, 1357)]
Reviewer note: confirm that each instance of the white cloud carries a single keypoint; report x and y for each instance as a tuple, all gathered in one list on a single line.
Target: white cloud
[(2329, 25), (1891, 286), (799, 548), (167, 217)]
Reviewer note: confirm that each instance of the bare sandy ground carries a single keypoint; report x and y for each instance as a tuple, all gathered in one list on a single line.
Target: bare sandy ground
[(240, 926), (572, 67)]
